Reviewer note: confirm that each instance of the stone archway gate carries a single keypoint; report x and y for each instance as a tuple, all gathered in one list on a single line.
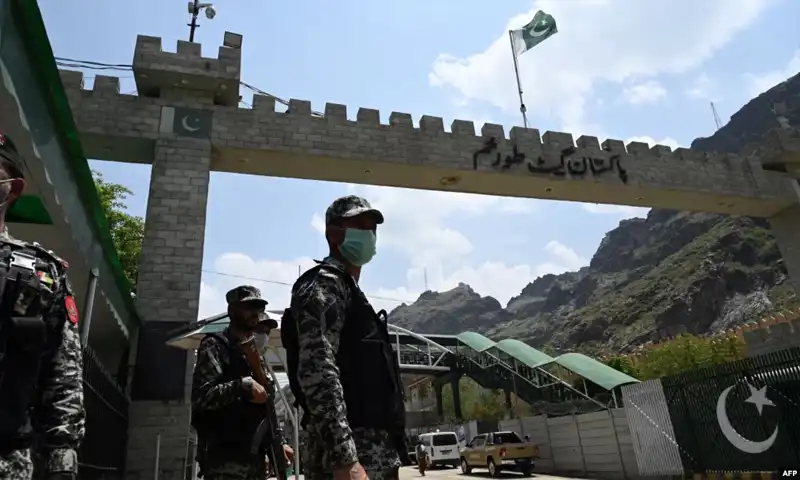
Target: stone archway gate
[(186, 122)]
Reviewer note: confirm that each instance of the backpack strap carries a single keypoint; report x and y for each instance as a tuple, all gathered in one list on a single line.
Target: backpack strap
[(351, 282), (226, 343)]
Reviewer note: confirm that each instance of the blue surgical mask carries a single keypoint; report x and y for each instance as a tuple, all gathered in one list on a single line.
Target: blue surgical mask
[(358, 246)]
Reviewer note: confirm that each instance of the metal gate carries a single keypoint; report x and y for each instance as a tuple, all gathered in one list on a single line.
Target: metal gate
[(102, 453), (742, 416)]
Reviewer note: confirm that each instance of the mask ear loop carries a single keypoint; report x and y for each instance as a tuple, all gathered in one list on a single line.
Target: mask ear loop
[(12, 181)]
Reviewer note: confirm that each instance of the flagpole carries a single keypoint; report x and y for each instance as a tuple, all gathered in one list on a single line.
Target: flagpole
[(522, 108)]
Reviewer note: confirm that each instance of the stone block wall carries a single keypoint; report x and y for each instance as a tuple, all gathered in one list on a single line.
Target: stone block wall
[(169, 290), (778, 336)]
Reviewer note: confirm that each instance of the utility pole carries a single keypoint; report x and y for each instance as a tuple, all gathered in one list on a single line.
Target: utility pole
[(717, 121), (194, 8)]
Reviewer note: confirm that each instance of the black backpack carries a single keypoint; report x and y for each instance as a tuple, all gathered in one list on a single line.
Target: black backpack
[(289, 335)]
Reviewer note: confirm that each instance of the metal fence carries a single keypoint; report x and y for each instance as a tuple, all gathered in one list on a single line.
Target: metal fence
[(102, 454), (742, 416)]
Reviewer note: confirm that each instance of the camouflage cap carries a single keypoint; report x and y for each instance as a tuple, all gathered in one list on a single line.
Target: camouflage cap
[(10, 156), (265, 320), (244, 293), (348, 207)]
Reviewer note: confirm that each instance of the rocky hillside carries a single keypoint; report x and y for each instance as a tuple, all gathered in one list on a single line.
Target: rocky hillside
[(669, 273)]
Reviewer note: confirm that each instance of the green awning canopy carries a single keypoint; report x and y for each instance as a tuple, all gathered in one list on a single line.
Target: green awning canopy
[(29, 209), (189, 338)]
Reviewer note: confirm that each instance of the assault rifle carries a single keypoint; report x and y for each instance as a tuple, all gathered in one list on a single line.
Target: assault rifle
[(267, 427)]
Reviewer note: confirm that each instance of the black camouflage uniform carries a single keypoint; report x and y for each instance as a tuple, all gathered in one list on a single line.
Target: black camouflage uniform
[(41, 390), (213, 390), (319, 303)]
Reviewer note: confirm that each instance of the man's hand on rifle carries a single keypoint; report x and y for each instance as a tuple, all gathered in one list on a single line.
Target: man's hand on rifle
[(258, 394), (288, 453)]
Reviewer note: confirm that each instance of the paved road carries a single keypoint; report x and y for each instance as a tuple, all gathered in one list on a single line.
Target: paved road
[(411, 473)]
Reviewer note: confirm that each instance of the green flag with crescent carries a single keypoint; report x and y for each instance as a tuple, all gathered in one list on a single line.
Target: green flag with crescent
[(542, 27)]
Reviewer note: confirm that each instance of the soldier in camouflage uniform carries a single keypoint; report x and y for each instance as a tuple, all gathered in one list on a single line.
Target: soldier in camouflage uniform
[(228, 404), (321, 307), (40, 351)]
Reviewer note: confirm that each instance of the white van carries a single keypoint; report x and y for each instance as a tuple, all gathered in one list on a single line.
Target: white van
[(442, 447)]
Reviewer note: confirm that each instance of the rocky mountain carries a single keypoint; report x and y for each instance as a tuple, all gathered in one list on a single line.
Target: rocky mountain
[(650, 278)]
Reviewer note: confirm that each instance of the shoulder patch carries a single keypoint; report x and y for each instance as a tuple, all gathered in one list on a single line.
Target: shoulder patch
[(72, 309)]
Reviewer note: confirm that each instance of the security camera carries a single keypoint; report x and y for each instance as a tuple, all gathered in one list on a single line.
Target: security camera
[(191, 7), (210, 12)]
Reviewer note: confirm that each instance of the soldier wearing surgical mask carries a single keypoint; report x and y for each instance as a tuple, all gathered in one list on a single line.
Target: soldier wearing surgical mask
[(42, 417), (228, 404), (341, 367)]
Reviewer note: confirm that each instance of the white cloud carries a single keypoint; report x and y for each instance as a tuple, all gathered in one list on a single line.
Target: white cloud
[(599, 40), (420, 228), (646, 93), (418, 221), (704, 88), (667, 141), (622, 210), (240, 269), (758, 83), (495, 279)]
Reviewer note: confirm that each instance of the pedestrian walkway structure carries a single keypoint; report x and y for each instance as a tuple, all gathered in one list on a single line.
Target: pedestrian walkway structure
[(509, 365)]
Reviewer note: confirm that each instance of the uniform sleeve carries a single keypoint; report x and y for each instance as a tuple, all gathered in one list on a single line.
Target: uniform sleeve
[(209, 392), (319, 310), (60, 419)]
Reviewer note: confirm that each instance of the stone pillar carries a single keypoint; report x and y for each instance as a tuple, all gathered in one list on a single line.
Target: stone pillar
[(437, 389), (167, 298), (786, 228), (454, 386)]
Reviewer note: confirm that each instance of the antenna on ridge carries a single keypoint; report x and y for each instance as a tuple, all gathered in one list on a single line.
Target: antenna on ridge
[(716, 116), (425, 273)]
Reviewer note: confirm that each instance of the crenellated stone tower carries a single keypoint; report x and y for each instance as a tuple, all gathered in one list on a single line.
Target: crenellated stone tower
[(186, 122)]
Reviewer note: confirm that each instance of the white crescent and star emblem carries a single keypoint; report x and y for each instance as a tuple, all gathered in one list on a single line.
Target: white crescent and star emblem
[(538, 30), (186, 126), (758, 397)]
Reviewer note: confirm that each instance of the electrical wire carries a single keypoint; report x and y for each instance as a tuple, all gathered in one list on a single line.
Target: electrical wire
[(277, 282), (91, 65)]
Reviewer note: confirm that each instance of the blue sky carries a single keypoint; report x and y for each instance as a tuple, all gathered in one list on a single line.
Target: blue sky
[(642, 70)]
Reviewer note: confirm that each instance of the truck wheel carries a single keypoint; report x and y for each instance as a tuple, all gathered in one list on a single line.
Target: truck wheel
[(465, 469), (494, 472)]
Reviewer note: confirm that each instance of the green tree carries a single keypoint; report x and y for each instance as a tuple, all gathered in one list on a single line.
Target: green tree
[(689, 352), (478, 403), (127, 231), (623, 364)]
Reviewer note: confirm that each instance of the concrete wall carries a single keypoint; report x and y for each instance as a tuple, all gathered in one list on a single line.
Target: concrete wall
[(592, 445), (773, 338)]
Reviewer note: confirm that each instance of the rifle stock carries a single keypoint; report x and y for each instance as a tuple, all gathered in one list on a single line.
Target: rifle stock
[(253, 357)]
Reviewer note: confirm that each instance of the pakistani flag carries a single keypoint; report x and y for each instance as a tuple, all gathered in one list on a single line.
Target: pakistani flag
[(542, 27)]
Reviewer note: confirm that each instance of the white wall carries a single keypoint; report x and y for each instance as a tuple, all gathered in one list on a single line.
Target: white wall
[(592, 445)]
